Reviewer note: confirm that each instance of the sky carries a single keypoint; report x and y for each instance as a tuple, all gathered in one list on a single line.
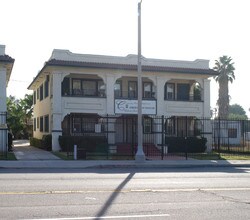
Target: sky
[(171, 29)]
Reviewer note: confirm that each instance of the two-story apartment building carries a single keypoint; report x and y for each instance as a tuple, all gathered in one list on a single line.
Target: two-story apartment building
[(6, 65), (72, 91)]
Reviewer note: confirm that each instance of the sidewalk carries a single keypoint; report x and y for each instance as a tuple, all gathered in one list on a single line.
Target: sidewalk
[(30, 157)]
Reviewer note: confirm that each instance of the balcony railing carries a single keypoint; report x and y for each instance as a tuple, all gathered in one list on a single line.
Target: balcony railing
[(84, 93), (133, 94), (190, 98)]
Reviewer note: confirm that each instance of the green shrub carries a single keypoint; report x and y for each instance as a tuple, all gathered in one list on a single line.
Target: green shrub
[(189, 144), (35, 142), (47, 142), (89, 143), (44, 143)]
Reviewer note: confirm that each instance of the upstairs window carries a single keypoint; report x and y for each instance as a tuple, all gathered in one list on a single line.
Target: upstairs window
[(183, 92), (132, 89), (46, 123), (170, 91), (41, 92), (41, 124), (34, 97), (89, 88), (76, 87), (118, 89), (148, 90), (46, 87)]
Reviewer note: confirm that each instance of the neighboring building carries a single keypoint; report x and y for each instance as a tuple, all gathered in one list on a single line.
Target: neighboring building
[(6, 65), (72, 90)]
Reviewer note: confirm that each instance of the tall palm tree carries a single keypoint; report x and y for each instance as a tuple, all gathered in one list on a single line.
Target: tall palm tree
[(225, 68)]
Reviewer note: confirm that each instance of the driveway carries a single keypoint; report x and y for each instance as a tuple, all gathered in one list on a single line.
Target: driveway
[(23, 151)]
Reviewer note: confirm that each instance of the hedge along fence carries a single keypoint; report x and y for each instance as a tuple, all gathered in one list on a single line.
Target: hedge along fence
[(44, 143), (88, 143), (189, 144)]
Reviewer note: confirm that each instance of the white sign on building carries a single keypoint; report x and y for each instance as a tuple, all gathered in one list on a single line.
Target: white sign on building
[(123, 106)]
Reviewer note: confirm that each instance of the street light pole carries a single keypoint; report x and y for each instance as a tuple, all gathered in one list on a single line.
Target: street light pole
[(140, 156)]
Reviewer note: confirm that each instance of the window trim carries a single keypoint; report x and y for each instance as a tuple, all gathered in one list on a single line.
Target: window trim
[(166, 91), (41, 124), (136, 89), (46, 123)]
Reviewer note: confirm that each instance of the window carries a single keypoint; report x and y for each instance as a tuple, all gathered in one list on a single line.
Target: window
[(76, 87), (88, 124), (197, 92), (41, 124), (46, 88), (183, 92), (147, 125), (132, 89), (37, 123), (170, 91), (232, 132), (89, 88), (118, 89), (46, 123), (83, 87), (37, 94), (65, 87), (147, 90), (41, 92), (101, 89), (34, 97), (76, 125), (170, 126), (34, 124)]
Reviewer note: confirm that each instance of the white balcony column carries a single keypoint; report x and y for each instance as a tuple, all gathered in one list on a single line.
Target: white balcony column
[(206, 98), (3, 78), (160, 86), (110, 82), (56, 110)]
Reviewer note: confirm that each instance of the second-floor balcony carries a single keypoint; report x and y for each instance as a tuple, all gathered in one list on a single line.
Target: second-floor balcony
[(84, 93)]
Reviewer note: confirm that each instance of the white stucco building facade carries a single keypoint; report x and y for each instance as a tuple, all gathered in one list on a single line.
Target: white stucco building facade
[(72, 88), (6, 65)]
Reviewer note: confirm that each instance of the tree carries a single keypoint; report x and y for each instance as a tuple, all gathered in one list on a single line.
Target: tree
[(237, 112), (19, 115), (225, 69)]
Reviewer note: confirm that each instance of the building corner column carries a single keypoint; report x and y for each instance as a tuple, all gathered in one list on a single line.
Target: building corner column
[(56, 111)]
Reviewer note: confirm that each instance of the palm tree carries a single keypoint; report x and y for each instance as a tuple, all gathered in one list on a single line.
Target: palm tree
[(225, 69)]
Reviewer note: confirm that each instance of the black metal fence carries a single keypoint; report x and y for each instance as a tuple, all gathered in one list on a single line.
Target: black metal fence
[(3, 135), (164, 137)]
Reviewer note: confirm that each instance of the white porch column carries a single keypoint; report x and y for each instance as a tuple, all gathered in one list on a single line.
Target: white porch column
[(56, 110), (110, 82), (161, 110), (160, 83), (3, 78), (206, 95)]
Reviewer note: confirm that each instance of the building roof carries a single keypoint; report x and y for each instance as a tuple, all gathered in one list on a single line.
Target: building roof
[(68, 59), (6, 59), (7, 62)]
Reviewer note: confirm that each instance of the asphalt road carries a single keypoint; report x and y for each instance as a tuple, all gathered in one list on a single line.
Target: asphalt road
[(193, 193)]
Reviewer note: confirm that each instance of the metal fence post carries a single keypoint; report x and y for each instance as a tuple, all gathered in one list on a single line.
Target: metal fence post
[(162, 137), (75, 152)]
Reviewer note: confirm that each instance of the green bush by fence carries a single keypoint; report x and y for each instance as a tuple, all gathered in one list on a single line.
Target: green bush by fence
[(44, 143), (189, 144), (89, 143)]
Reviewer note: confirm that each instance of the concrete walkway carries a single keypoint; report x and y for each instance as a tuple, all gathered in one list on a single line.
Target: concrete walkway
[(30, 157), (23, 151)]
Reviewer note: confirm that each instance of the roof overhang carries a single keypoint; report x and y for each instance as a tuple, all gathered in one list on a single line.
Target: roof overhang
[(7, 62)]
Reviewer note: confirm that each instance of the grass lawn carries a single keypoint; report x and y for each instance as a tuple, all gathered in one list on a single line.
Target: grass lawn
[(216, 156), (10, 156)]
